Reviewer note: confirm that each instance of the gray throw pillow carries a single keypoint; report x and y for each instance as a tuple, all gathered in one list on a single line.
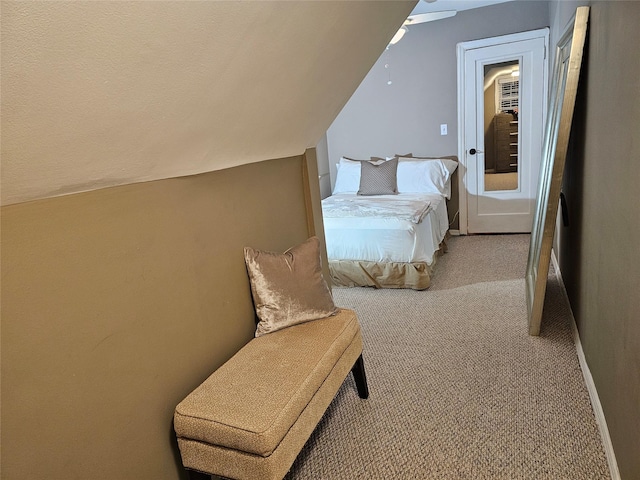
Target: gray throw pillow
[(379, 179)]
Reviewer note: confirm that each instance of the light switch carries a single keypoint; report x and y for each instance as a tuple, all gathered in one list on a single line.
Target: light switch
[(443, 129)]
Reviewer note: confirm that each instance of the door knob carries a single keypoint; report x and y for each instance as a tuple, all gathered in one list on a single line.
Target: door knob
[(473, 151)]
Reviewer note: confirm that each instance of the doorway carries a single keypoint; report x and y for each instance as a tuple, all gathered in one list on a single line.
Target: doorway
[(501, 110)]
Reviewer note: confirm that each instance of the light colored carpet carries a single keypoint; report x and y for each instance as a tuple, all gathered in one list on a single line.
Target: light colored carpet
[(500, 181), (459, 390)]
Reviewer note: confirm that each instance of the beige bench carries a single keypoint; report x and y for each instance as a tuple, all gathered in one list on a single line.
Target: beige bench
[(252, 416)]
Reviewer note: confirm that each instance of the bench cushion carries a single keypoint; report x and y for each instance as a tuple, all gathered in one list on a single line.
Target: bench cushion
[(251, 402)]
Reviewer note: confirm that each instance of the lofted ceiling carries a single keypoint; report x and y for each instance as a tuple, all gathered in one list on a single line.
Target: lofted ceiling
[(96, 94)]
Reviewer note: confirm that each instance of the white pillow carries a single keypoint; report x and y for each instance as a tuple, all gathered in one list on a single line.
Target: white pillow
[(347, 176), (425, 176), (449, 164)]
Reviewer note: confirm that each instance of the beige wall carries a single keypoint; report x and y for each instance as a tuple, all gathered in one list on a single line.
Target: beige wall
[(599, 251), (96, 94), (116, 303)]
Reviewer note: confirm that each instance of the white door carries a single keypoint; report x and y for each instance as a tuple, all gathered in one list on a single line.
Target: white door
[(502, 101)]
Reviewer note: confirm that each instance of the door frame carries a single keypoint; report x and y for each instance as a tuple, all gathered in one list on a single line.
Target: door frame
[(461, 49)]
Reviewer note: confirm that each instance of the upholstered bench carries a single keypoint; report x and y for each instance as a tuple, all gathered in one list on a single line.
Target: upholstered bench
[(252, 416)]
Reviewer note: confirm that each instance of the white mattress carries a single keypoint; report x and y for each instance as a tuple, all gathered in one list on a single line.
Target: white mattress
[(388, 239)]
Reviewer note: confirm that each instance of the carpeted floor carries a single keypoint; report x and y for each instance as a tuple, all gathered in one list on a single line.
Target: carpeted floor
[(459, 390), (500, 181)]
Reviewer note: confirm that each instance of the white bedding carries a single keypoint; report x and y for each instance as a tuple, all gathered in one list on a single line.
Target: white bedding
[(388, 239), (412, 207)]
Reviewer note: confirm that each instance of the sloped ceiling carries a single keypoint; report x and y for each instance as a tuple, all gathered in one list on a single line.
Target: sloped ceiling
[(97, 94)]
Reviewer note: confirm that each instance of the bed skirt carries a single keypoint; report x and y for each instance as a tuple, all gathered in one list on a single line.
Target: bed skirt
[(360, 273)]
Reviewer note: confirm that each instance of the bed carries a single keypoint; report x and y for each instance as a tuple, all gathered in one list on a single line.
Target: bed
[(385, 224)]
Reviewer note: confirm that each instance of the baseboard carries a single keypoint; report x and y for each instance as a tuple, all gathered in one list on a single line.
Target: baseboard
[(454, 232), (588, 379)]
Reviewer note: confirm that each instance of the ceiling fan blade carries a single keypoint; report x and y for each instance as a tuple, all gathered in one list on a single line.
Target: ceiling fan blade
[(429, 17)]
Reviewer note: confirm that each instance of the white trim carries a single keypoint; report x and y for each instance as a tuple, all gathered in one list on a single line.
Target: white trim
[(510, 38), (461, 50), (462, 164), (588, 380), (454, 233)]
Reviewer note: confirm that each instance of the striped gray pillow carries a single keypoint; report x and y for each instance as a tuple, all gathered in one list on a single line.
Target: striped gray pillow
[(379, 178)]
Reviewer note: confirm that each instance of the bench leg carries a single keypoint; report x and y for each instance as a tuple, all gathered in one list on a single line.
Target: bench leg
[(360, 377)]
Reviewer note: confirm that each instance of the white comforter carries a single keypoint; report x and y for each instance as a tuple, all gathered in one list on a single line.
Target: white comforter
[(404, 207), (381, 238)]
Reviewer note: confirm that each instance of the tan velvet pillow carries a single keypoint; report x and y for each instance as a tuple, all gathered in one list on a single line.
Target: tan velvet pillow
[(288, 288)]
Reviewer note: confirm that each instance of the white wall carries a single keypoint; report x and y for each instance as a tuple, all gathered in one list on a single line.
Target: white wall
[(381, 119)]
